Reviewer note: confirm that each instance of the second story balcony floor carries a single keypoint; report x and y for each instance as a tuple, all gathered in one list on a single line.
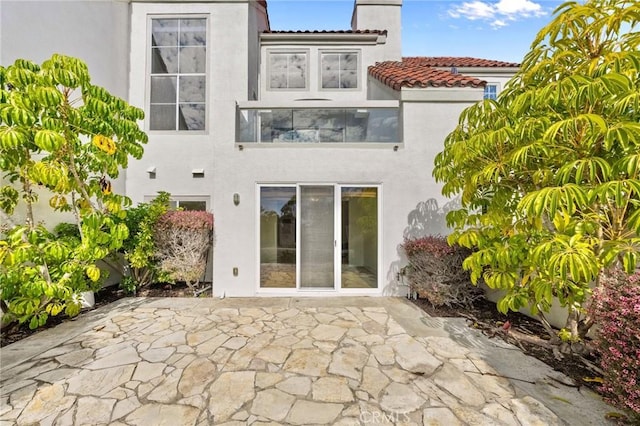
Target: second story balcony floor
[(374, 122)]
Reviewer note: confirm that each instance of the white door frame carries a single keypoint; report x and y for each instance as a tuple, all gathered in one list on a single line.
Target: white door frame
[(337, 223)]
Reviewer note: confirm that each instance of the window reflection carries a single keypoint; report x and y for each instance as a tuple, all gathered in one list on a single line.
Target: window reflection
[(319, 125), (278, 237), (287, 70), (339, 70), (178, 81)]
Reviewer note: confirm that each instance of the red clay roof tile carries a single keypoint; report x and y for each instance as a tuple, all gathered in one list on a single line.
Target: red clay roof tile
[(422, 72), (461, 62)]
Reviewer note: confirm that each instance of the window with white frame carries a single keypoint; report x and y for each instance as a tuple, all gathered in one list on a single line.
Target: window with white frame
[(490, 91), (339, 70), (178, 74), (185, 202), (288, 70)]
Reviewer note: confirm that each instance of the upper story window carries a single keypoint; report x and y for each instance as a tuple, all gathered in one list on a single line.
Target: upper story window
[(490, 91), (288, 70), (178, 74), (339, 70)]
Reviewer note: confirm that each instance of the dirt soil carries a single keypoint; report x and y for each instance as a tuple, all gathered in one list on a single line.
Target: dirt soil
[(483, 315)]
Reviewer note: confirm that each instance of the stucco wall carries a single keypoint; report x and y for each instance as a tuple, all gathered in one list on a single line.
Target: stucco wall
[(381, 15), (174, 155), (404, 176)]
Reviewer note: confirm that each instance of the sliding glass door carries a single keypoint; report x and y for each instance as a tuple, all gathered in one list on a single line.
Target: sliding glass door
[(359, 237), (319, 237)]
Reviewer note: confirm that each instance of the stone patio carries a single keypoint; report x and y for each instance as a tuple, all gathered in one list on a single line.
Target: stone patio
[(338, 361)]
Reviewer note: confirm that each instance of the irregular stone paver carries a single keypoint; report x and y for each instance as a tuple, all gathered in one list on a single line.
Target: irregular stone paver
[(272, 404), (278, 361), (310, 362), (399, 398), (331, 389), (163, 414), (439, 416), (306, 412), (295, 385), (229, 392)]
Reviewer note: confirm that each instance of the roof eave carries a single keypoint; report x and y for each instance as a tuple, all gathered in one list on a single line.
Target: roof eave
[(334, 38)]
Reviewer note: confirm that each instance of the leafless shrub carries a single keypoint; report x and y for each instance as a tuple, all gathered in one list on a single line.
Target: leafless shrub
[(435, 272)]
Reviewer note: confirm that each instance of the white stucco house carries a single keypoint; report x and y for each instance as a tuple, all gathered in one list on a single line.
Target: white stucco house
[(314, 150)]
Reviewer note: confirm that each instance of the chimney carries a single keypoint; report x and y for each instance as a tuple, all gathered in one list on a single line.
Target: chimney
[(381, 15)]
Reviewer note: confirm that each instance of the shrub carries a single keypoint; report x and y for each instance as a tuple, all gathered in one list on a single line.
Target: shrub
[(140, 249), (183, 239), (616, 309), (435, 271)]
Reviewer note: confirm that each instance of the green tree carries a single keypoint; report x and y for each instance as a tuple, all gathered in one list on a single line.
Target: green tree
[(59, 132), (549, 173), (140, 249)]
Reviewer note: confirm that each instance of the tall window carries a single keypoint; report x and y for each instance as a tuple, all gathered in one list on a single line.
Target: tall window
[(339, 70), (288, 70), (490, 91), (178, 74)]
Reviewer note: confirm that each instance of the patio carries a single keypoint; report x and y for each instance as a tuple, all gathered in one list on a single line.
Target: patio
[(344, 361)]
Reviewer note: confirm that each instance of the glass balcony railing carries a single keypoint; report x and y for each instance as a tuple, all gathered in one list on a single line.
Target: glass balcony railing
[(317, 125)]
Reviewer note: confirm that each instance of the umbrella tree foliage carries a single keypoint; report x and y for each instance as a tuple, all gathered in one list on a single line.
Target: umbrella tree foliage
[(549, 173), (64, 137)]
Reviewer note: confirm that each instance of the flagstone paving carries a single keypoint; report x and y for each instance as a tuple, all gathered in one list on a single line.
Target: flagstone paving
[(338, 361)]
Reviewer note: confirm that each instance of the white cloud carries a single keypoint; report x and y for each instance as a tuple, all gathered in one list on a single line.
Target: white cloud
[(497, 14), (473, 10), (522, 8)]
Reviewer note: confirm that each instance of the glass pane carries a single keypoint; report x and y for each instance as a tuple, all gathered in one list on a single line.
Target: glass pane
[(356, 125), (162, 117), (330, 62), (191, 117), (349, 61), (193, 205), (330, 79), (319, 125), (192, 89), (348, 80), (359, 238), (164, 32), (316, 237), (278, 237), (277, 126), (163, 90), (278, 71), (382, 125), (297, 71), (193, 60), (193, 32), (164, 60)]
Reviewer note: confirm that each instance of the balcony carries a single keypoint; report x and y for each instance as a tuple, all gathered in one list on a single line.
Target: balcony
[(319, 124)]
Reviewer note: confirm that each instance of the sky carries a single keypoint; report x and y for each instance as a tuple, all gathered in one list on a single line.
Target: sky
[(501, 30)]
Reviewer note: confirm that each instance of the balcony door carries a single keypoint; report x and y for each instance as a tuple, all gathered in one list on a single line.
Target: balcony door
[(319, 237)]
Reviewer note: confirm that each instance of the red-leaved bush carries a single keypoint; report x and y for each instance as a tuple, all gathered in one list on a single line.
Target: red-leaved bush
[(435, 271), (183, 239), (616, 310)]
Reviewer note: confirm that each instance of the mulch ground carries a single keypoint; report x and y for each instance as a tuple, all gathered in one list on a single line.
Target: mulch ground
[(484, 316)]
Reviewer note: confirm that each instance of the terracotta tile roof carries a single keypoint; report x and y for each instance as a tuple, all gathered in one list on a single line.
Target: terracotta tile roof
[(383, 32), (407, 74), (460, 62)]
